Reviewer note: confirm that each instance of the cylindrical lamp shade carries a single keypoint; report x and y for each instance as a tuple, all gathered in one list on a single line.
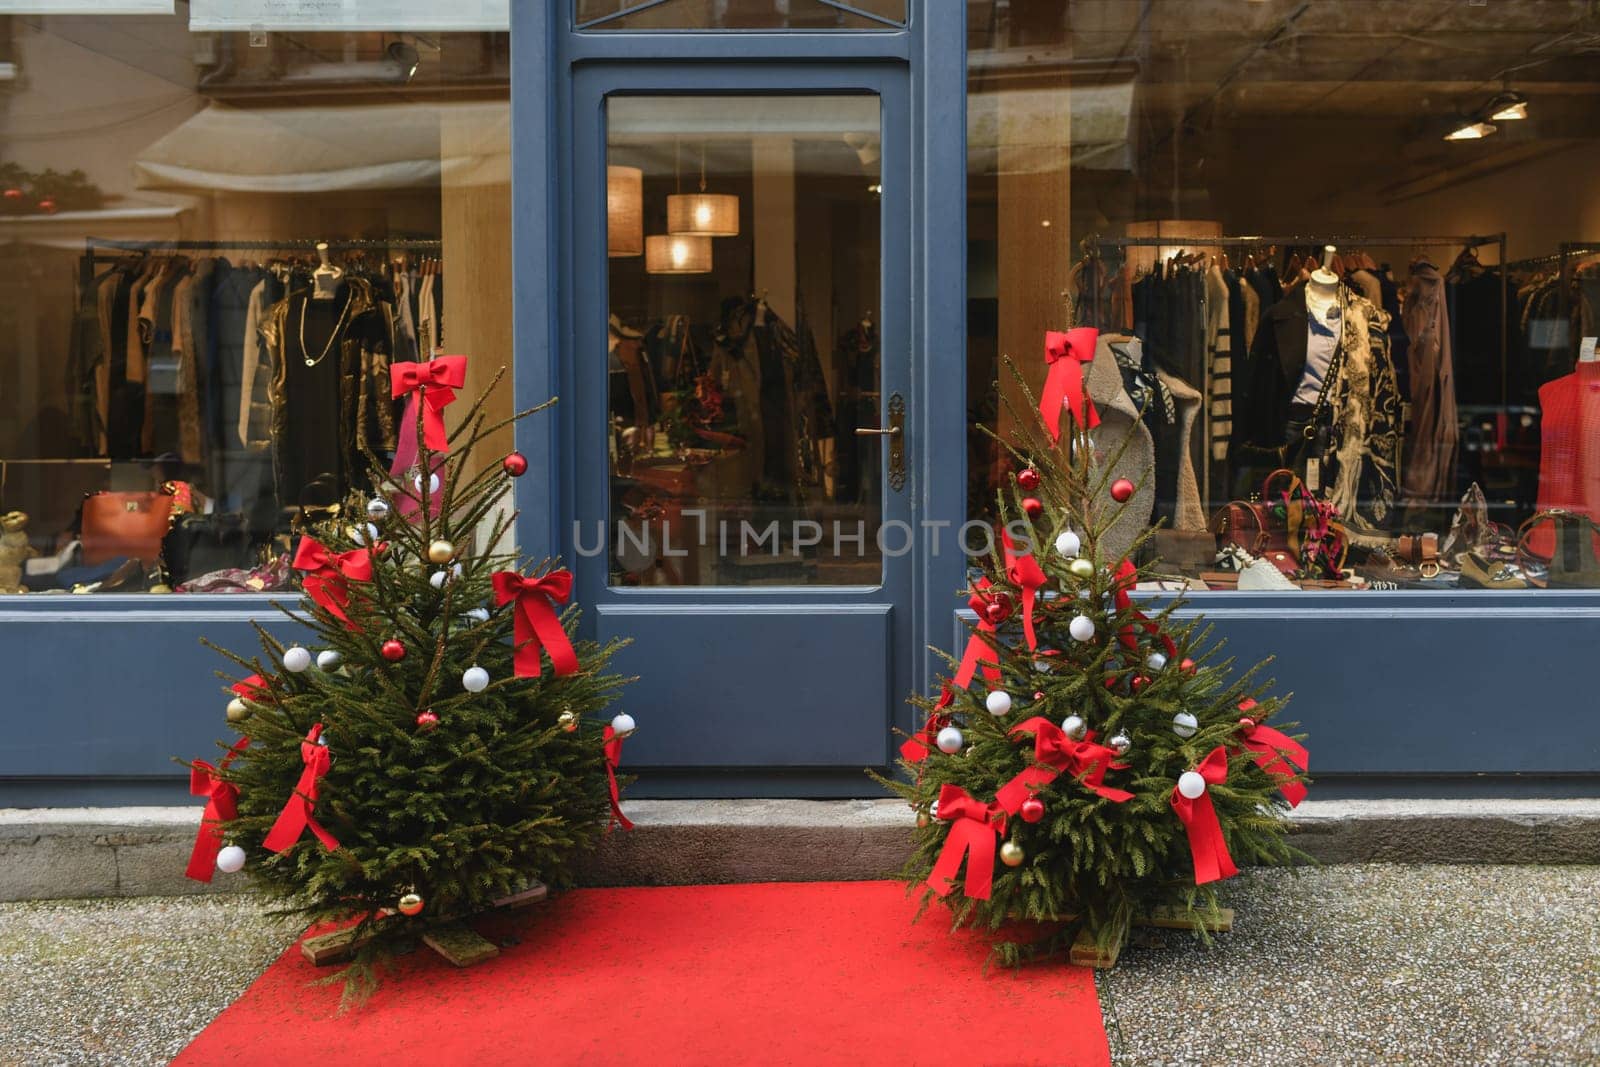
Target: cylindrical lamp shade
[(624, 211), (673, 253), (708, 214)]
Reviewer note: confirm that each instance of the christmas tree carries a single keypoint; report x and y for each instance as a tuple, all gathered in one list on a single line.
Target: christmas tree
[(1114, 767), (432, 743)]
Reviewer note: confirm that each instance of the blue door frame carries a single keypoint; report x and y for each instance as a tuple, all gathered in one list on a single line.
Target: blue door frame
[(1404, 693)]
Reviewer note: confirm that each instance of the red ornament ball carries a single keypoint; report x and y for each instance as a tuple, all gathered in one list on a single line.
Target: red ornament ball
[(1139, 682), (47, 206), (515, 464), (1247, 724), (999, 608), (1038, 694), (1187, 667), (427, 720), (1121, 490), (393, 650), (1031, 507), (1028, 478), (13, 194), (1032, 810)]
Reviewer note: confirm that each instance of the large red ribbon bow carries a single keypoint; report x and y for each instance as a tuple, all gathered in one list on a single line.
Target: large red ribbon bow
[(1199, 817), (1276, 753), (972, 834), (252, 688), (1024, 572), (979, 651), (329, 574), (221, 807), (435, 382), (613, 751), (536, 623), (1064, 355), (299, 812), (1127, 576), (1056, 754)]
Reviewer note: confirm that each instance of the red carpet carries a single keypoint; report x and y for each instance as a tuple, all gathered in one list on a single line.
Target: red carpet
[(809, 973)]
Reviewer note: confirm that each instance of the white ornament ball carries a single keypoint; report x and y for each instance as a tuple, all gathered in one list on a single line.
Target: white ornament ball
[(437, 579), (360, 537), (1074, 727), (296, 659), (1156, 662), (377, 509), (455, 570), (478, 614), (623, 724), (1191, 784), (1184, 724), (933, 809), (328, 659), (1081, 628), (1043, 665), (433, 483), (949, 740), (474, 679), (230, 859), (1067, 543), (998, 702)]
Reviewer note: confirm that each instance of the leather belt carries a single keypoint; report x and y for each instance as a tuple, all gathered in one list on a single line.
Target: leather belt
[(1422, 550)]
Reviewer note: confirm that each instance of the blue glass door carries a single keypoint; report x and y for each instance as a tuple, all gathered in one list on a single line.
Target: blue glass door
[(742, 412)]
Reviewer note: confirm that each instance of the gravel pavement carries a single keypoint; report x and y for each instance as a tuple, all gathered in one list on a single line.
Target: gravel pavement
[(1380, 964), (1374, 964)]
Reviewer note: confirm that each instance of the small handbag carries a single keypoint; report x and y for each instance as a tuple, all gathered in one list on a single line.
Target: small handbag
[(1288, 527), (131, 525), (1572, 563)]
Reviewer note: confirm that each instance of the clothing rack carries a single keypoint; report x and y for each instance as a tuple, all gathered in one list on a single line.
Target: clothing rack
[(1466, 242), (405, 244)]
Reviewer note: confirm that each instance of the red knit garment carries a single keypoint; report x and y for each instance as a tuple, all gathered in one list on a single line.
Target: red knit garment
[(1569, 451)]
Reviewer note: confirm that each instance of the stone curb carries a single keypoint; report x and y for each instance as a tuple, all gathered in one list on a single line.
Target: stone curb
[(49, 853)]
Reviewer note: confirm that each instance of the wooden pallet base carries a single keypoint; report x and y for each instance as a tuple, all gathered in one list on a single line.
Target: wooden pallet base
[(1085, 953), (455, 941)]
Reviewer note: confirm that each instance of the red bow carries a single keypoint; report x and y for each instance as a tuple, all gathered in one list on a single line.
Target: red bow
[(613, 751), (252, 688), (1064, 355), (221, 807), (916, 749), (1127, 577), (298, 812), (971, 834), (436, 381), (1084, 760), (1024, 572), (537, 625), (329, 574), (1273, 752), (1199, 817)]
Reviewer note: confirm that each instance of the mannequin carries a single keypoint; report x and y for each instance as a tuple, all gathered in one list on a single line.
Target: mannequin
[(325, 279)]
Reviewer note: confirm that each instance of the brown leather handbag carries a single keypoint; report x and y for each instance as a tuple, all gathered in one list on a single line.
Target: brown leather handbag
[(1573, 563), (1288, 528), (125, 524), (1253, 526)]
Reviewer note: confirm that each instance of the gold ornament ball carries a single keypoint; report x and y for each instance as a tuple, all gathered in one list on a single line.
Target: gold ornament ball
[(411, 904), (569, 721), (922, 820), (1011, 854), (1082, 568), (440, 552), (238, 710)]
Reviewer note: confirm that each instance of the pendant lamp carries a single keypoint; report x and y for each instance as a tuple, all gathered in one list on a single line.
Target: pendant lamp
[(624, 211), (676, 253), (707, 214)]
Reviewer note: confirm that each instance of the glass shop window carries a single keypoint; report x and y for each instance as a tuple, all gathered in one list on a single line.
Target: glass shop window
[(218, 240), (1343, 259), (739, 14)]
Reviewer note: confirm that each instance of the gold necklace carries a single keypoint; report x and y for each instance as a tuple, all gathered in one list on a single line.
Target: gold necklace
[(349, 297)]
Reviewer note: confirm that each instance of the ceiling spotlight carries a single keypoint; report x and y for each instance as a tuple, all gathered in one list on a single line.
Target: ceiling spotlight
[(1471, 131), (405, 58), (1508, 107)]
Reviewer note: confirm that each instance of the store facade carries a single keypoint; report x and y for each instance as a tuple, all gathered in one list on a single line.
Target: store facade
[(769, 254)]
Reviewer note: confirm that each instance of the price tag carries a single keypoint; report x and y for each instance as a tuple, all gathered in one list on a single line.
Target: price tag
[(1313, 474), (1586, 353)]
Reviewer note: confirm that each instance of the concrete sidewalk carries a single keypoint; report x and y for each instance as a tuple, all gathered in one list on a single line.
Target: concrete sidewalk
[(1351, 964), (57, 853)]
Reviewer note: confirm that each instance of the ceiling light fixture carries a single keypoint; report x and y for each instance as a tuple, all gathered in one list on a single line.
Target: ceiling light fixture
[(1471, 131), (703, 213), (1508, 107)]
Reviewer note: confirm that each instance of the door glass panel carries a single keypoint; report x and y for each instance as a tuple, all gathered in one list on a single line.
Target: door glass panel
[(739, 14), (743, 353)]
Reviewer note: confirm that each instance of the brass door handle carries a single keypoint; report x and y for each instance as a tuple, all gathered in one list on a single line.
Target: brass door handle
[(895, 432), (869, 431)]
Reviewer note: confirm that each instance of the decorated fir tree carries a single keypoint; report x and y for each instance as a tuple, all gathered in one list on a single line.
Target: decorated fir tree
[(434, 741), (1087, 761)]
